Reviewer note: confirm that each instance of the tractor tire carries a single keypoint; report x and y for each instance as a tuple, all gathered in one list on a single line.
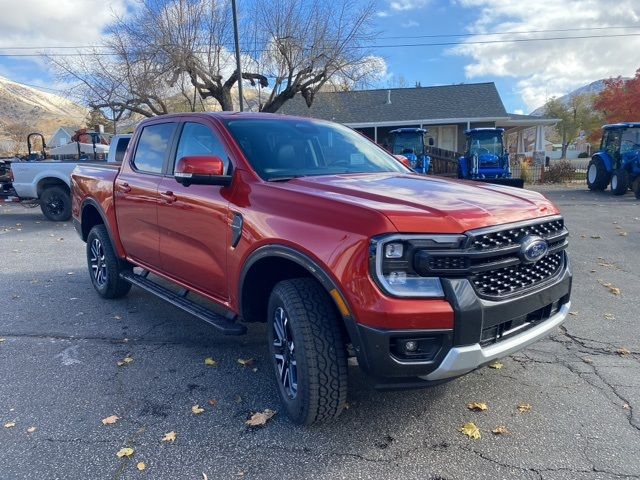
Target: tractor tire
[(597, 175), (308, 351), (636, 187), (619, 181), (55, 203), (104, 266)]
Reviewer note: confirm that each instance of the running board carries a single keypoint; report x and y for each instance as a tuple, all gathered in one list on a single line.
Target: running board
[(179, 299)]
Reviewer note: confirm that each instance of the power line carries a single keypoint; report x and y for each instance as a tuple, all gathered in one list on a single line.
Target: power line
[(405, 45)]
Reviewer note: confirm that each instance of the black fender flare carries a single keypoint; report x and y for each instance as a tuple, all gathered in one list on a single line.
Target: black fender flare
[(96, 205), (291, 254)]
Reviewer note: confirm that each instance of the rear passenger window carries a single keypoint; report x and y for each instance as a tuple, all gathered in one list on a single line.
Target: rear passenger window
[(153, 147)]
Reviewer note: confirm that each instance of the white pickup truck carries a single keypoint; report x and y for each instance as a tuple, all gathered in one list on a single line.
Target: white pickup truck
[(48, 182)]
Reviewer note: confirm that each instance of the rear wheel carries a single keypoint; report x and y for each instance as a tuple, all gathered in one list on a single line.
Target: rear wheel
[(308, 351), (597, 175), (619, 181), (104, 266), (55, 203)]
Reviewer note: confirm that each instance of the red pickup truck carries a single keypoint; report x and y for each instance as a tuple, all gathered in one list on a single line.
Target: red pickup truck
[(340, 248)]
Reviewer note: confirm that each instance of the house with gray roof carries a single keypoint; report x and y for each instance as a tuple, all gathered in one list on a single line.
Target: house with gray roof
[(62, 136), (445, 111)]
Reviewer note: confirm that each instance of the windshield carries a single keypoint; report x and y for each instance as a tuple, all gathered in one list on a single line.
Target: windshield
[(630, 140), (407, 143), (282, 149), (483, 143)]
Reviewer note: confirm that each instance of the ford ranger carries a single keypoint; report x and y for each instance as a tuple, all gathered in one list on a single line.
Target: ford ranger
[(342, 250)]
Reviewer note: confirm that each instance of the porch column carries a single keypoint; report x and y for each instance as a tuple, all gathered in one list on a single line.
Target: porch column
[(520, 142), (538, 150)]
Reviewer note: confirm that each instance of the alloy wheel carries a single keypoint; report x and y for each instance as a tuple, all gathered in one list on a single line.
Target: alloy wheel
[(98, 263), (285, 353)]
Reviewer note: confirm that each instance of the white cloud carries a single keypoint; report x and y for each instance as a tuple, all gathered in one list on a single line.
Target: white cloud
[(382, 14), (404, 5), (47, 23), (518, 111), (552, 68), (410, 24)]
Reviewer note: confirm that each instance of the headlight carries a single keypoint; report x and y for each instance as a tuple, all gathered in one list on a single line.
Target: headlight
[(392, 264)]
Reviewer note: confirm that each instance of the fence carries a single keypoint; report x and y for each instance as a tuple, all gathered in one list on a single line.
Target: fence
[(443, 162), (558, 171)]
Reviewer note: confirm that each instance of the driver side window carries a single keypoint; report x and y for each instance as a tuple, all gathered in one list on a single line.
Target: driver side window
[(197, 139)]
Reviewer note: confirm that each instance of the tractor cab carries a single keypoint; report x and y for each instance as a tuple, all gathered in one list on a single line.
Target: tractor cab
[(617, 163), (410, 143), (485, 158)]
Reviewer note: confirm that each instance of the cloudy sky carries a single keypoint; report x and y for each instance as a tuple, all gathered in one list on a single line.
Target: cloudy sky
[(526, 72)]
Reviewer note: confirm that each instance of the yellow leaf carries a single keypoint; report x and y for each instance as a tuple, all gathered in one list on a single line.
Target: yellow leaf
[(259, 419), (141, 466), (524, 407), (613, 289), (169, 437), (573, 314), (623, 352), (477, 406), (245, 362), (197, 409), (31, 429), (501, 430), (496, 365), (210, 362), (125, 452), (9, 424), (470, 430), (110, 420), (609, 316)]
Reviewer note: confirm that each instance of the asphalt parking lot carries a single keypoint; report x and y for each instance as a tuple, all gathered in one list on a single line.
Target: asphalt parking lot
[(59, 373)]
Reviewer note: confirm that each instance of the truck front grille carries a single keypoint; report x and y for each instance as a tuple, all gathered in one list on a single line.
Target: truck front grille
[(513, 236), (503, 281)]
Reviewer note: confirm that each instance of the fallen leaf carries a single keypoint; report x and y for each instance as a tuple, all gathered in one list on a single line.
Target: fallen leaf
[(623, 352), (169, 437), (125, 361), (125, 452), (496, 365), (623, 234), (9, 424), (477, 406), (197, 409), (245, 362), (210, 362), (141, 466), (470, 430), (609, 316), (573, 314), (117, 317), (2, 340), (212, 402), (259, 419), (204, 476), (626, 406), (71, 273), (587, 360), (524, 407), (110, 420), (501, 430), (613, 289)]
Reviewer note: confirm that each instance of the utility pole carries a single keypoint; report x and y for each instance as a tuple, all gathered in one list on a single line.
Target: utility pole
[(237, 42)]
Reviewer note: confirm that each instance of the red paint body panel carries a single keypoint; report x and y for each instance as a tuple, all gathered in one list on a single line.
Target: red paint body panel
[(331, 219)]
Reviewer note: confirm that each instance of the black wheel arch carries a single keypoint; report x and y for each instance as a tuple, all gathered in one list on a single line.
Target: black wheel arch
[(91, 214), (298, 263)]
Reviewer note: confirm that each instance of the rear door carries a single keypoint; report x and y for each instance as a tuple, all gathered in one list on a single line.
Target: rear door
[(193, 221), (136, 192)]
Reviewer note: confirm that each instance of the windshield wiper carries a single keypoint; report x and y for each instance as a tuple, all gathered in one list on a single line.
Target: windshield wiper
[(284, 178)]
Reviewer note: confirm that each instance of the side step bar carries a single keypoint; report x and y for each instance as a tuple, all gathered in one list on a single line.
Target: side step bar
[(225, 326)]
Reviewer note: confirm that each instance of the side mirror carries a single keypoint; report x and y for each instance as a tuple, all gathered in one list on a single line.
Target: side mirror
[(431, 142), (403, 160), (201, 170)]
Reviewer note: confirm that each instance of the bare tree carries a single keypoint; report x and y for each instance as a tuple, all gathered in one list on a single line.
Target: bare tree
[(16, 138)]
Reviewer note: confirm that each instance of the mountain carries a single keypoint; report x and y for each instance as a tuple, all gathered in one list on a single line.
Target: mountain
[(593, 88), (41, 111)]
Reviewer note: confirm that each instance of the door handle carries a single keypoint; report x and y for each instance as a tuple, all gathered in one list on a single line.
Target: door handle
[(168, 197), (124, 187)]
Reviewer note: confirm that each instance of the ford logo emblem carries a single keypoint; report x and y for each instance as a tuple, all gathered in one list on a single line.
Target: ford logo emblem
[(533, 248)]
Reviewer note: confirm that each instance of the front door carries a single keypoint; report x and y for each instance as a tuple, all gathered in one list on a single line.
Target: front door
[(136, 193), (193, 221)]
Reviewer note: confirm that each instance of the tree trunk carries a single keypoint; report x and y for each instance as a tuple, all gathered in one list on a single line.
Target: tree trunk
[(565, 145)]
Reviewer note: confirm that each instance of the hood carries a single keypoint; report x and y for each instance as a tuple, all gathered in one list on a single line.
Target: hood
[(419, 204)]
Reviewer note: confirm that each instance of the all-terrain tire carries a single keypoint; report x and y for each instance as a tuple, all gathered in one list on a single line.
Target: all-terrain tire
[(597, 175), (104, 266), (619, 181), (636, 187), (319, 352), (55, 203)]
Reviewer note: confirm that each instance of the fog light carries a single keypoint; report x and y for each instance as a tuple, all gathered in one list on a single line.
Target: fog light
[(410, 346), (393, 250)]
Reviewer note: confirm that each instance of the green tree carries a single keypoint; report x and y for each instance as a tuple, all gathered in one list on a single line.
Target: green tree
[(576, 116)]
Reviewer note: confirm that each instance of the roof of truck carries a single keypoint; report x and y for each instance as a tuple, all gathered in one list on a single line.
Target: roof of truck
[(483, 129), (613, 126)]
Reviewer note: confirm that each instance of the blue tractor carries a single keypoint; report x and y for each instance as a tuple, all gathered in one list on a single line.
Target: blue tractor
[(485, 158), (617, 163), (410, 142)]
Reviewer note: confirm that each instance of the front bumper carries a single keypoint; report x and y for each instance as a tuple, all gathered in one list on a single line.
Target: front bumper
[(484, 330)]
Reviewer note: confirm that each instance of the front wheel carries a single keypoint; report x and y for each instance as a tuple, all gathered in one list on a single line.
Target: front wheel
[(597, 175), (104, 266), (55, 203), (619, 181), (308, 351)]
